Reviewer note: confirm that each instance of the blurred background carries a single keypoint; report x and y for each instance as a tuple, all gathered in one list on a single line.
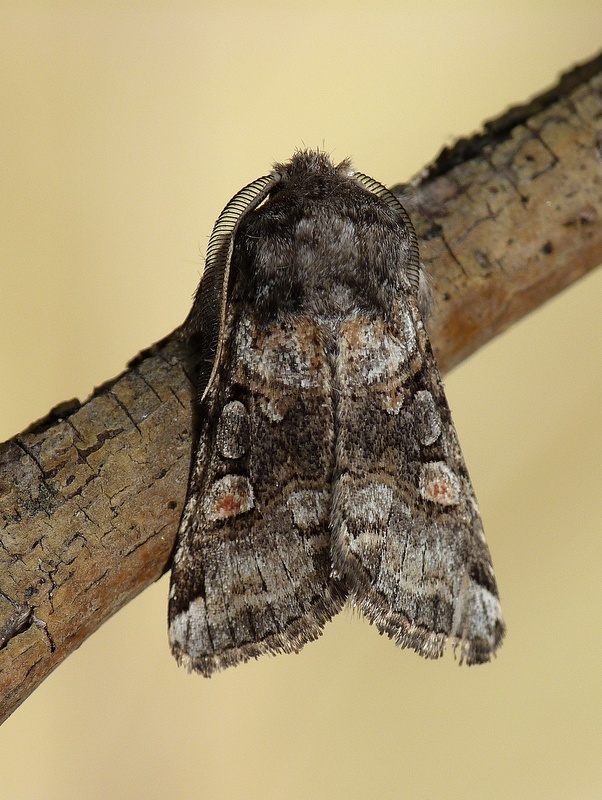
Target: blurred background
[(126, 126)]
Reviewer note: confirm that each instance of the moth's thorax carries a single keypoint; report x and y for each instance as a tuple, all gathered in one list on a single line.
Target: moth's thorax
[(317, 258)]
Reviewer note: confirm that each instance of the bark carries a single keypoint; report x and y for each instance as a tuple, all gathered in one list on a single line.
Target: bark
[(90, 497)]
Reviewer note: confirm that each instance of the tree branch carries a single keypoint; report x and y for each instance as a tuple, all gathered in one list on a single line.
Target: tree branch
[(90, 497)]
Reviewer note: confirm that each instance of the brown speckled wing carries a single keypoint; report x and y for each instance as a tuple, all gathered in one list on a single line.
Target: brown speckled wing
[(407, 535), (252, 570)]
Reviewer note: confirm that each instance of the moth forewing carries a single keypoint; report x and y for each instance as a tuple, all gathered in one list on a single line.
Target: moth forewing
[(252, 569), (407, 535)]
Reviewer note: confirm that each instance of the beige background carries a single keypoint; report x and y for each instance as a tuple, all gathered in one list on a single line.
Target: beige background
[(125, 128)]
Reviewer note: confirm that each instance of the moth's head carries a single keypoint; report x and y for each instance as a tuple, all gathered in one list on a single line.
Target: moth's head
[(311, 175), (310, 164)]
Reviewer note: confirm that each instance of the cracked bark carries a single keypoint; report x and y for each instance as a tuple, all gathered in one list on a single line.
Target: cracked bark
[(90, 497)]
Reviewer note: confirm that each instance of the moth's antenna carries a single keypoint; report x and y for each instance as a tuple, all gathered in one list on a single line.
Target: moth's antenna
[(214, 284), (381, 191)]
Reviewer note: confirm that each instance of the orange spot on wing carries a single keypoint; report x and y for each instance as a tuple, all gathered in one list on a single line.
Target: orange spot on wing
[(229, 505)]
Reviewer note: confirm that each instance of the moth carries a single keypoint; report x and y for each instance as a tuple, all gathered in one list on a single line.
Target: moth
[(326, 465)]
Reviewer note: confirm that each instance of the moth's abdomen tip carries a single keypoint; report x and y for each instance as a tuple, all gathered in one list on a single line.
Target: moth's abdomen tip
[(482, 643), (477, 651)]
